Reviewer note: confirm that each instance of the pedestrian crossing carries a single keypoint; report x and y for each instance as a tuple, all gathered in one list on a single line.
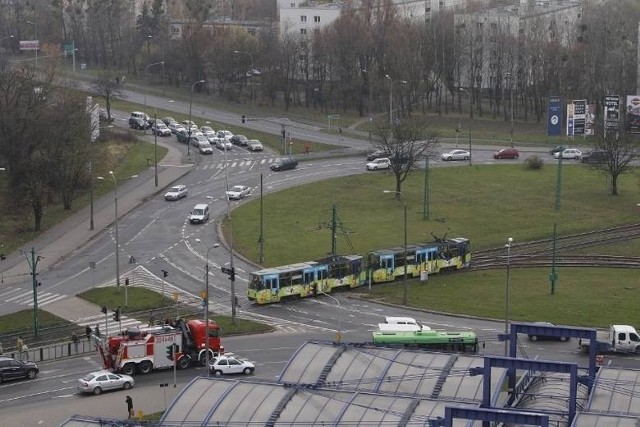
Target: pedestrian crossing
[(20, 296), (236, 163)]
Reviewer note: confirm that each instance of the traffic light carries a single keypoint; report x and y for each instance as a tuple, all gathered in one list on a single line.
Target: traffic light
[(165, 273), (170, 352), (116, 314), (244, 118), (231, 272)]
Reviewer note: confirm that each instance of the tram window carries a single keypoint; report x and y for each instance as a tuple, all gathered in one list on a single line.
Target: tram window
[(386, 263), (296, 280), (308, 277), (322, 274), (400, 260), (421, 257)]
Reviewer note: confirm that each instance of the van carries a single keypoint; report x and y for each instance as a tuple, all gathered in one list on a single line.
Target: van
[(594, 157), (199, 214), (284, 163), (398, 324)]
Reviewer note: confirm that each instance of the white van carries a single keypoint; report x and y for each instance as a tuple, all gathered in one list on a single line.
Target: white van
[(401, 324), (199, 214)]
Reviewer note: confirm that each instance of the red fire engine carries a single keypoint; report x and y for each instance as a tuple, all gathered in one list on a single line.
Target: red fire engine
[(141, 350)]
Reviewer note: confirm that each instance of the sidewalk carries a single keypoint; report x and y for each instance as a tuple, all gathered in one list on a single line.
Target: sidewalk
[(62, 240)]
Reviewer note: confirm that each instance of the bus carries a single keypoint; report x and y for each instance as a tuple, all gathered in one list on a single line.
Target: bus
[(442, 255), (449, 341), (305, 279)]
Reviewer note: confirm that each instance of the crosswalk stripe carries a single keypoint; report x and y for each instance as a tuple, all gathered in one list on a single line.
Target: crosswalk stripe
[(19, 296), (10, 291)]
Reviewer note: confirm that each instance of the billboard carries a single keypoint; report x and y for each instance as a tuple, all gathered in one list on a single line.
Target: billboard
[(590, 120), (554, 116), (570, 108), (29, 44), (633, 113), (611, 114), (579, 117)]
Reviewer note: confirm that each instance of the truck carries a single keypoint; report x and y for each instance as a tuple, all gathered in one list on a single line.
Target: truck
[(142, 350), (619, 339)]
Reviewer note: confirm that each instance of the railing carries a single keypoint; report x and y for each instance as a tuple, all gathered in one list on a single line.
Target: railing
[(54, 351)]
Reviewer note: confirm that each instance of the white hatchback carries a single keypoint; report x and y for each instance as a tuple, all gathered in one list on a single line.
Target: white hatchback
[(569, 153), (381, 163), (223, 365)]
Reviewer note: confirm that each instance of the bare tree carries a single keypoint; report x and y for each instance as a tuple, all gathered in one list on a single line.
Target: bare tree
[(107, 85), (406, 143), (621, 149)]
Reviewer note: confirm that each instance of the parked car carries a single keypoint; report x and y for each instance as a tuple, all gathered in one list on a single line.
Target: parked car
[(160, 129), (240, 140), (97, 382), (226, 134), (546, 337), (138, 123), (254, 145), (168, 119), (176, 127), (183, 136), (569, 153), (11, 369), (238, 192), (176, 192), (506, 153), (377, 154), (455, 155), (284, 163), (223, 144), (224, 365), (380, 163), (595, 157), (187, 123), (208, 132)]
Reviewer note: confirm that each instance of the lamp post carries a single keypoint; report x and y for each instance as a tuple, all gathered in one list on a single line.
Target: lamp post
[(205, 298), (509, 77), (190, 105), (231, 270), (145, 89), (506, 305), (115, 199), (35, 30), (391, 82), (338, 336), (242, 52), (404, 247), (470, 117)]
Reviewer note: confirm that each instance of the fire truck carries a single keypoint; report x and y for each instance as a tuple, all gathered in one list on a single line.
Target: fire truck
[(141, 350)]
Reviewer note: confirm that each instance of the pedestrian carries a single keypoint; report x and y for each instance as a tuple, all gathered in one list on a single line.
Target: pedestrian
[(129, 401), (74, 340), (97, 331), (22, 347), (152, 318), (306, 148), (87, 331)]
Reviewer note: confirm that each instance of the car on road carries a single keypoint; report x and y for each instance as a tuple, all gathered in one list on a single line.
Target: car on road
[(238, 192), (546, 337), (595, 157), (176, 127), (225, 365), (201, 143), (254, 145), (377, 154), (283, 164), (160, 129), (168, 119), (12, 369), (569, 153), (97, 382), (176, 192), (555, 149), (208, 132), (223, 144), (506, 153), (455, 155), (182, 136), (138, 123), (199, 214), (239, 140), (380, 163), (226, 134)]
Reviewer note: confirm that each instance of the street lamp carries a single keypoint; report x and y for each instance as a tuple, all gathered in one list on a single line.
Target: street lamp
[(506, 305), (35, 30), (404, 255), (231, 268), (145, 89), (115, 199), (391, 82), (190, 105), (470, 117), (242, 52), (205, 298), (338, 336)]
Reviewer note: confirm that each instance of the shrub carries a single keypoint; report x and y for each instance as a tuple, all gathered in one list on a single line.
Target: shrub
[(533, 163)]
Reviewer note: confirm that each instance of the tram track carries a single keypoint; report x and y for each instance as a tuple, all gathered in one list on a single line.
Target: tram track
[(540, 253)]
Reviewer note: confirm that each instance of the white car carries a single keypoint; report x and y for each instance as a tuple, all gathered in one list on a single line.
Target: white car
[(97, 382), (226, 134), (381, 163), (208, 132), (455, 155), (238, 192), (223, 144), (254, 145), (223, 365), (569, 153), (161, 129), (176, 192)]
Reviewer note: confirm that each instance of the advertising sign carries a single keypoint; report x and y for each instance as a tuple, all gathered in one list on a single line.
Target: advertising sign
[(579, 116), (633, 113), (611, 113), (554, 116), (570, 119), (590, 120), (29, 44)]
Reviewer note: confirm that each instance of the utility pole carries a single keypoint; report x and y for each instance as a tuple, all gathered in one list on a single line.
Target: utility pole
[(261, 239), (33, 265), (558, 182), (334, 226), (426, 190)]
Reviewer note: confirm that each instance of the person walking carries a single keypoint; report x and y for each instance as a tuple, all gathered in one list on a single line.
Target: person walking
[(87, 331), (152, 319), (22, 347), (97, 331), (129, 401), (74, 340), (306, 148)]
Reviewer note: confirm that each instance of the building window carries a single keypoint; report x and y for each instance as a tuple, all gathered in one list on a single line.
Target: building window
[(303, 31), (316, 19), (303, 18)]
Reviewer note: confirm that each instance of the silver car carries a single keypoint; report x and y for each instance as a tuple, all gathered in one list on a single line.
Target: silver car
[(97, 382)]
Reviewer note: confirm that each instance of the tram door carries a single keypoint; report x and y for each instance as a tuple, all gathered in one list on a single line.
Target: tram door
[(322, 279), (309, 281), (387, 262), (272, 283)]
